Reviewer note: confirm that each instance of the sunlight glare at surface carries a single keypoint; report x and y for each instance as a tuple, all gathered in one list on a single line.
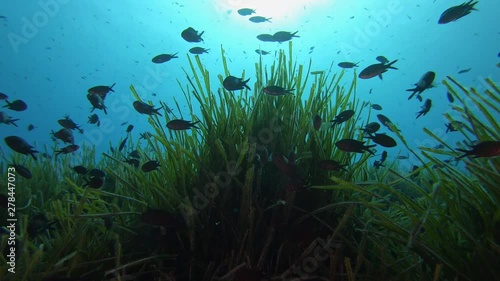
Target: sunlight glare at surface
[(279, 10)]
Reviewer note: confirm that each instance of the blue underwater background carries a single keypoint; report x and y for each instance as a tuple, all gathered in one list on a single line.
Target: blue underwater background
[(53, 51)]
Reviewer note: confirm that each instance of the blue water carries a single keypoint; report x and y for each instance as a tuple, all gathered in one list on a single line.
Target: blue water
[(53, 51)]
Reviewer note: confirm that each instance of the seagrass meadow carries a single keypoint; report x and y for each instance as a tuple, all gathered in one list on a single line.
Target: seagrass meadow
[(230, 214)]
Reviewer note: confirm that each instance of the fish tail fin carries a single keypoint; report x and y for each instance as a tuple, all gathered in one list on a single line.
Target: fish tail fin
[(467, 152), (390, 64), (32, 153), (367, 148), (156, 111), (192, 124), (245, 84), (414, 92)]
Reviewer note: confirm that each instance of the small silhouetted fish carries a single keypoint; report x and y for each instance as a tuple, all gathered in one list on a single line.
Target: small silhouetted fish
[(179, 124), (265, 37), (94, 119), (232, 83), (129, 128), (371, 128), (331, 165), (450, 97), (22, 171), (145, 135), (317, 122), (150, 166), (456, 12), (402, 157), (191, 35), (135, 154), (5, 119), (377, 164), (283, 36), (80, 170), (342, 117), (163, 58), (132, 161), (383, 157), (317, 72), (31, 127), (96, 173), (122, 144), (424, 83), (376, 106), (97, 102), (198, 50), (20, 145), (413, 169), (277, 91), (124, 123), (3, 96), (351, 145), (261, 52), (66, 135), (69, 124), (384, 120), (17, 105), (347, 64), (376, 69), (45, 155), (482, 149), (67, 149), (454, 126), (144, 108), (464, 70), (382, 59), (246, 11), (383, 139), (94, 182), (101, 90), (425, 108), (259, 19)]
